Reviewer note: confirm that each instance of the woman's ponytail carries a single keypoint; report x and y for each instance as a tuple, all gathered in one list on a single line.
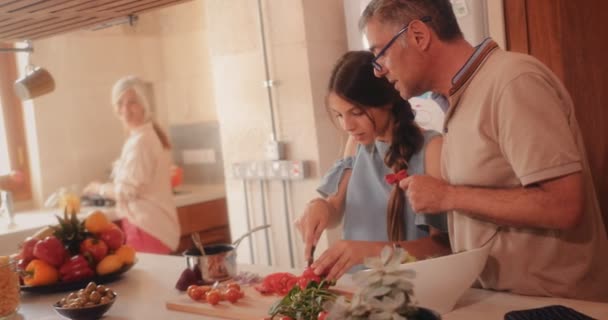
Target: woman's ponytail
[(162, 136)]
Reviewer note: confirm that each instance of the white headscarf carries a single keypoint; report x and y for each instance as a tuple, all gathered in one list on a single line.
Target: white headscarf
[(139, 87)]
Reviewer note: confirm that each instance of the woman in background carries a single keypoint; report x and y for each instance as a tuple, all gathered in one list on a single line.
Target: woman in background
[(390, 144), (141, 176)]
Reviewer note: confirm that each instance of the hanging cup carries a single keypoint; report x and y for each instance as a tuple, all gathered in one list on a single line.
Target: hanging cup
[(36, 82)]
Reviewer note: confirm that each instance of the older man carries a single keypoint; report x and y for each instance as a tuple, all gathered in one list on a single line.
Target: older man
[(513, 156)]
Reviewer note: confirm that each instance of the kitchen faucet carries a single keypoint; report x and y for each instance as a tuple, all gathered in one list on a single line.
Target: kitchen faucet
[(6, 198)]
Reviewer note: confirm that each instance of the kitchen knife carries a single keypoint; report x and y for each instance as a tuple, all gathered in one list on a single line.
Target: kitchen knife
[(312, 255)]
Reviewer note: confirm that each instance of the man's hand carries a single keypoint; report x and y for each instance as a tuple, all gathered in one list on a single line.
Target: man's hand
[(343, 255), (426, 194)]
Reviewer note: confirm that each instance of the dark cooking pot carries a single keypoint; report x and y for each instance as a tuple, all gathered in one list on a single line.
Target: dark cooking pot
[(219, 261)]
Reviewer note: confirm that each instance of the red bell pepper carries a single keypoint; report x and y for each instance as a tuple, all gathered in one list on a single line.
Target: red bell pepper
[(76, 268), (50, 250)]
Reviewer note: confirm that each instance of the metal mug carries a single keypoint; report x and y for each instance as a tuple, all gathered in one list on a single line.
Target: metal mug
[(36, 82), (218, 261)]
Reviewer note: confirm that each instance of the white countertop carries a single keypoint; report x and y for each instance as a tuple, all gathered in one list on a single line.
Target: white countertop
[(189, 194), (28, 222), (144, 290)]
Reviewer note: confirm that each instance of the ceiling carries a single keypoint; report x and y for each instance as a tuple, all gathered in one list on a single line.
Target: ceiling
[(35, 19)]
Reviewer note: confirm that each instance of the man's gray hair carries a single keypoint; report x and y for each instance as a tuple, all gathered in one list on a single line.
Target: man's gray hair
[(401, 12)]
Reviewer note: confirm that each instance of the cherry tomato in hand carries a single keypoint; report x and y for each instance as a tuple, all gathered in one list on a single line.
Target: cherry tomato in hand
[(322, 315)]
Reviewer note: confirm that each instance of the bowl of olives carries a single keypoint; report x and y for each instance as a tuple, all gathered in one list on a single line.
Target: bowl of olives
[(88, 303)]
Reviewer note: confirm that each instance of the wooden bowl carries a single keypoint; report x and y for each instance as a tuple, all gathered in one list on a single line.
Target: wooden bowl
[(84, 313)]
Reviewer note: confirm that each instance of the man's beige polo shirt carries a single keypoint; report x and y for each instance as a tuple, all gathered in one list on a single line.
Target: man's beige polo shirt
[(511, 123)]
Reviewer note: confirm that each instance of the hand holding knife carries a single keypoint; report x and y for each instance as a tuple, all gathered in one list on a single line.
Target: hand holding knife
[(311, 257)]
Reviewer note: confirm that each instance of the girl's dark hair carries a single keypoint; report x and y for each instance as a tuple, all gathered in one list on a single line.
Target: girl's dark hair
[(353, 79)]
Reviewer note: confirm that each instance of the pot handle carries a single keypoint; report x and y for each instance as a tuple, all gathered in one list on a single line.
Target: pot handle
[(248, 233)]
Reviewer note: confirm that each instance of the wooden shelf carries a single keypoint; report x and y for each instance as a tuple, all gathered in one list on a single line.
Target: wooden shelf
[(209, 219)]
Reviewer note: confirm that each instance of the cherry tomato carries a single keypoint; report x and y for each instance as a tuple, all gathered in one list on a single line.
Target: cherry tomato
[(285, 318), (194, 292), (309, 272), (322, 315), (213, 297), (201, 293), (205, 289), (232, 295), (234, 285), (191, 287)]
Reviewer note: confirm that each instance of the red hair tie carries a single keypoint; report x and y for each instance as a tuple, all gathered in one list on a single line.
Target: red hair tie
[(393, 178)]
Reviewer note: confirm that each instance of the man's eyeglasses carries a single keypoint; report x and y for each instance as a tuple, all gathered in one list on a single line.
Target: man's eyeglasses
[(375, 63)]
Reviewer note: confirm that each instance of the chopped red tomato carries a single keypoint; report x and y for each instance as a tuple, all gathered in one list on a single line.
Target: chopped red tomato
[(282, 282)]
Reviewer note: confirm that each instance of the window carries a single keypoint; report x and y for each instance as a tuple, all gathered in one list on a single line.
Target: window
[(13, 151), (5, 164)]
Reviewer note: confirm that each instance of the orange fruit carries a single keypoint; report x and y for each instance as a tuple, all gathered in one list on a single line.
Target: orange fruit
[(126, 254), (111, 263), (97, 222)]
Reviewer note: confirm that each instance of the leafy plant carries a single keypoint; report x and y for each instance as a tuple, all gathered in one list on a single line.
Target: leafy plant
[(385, 290), (70, 231), (304, 303)]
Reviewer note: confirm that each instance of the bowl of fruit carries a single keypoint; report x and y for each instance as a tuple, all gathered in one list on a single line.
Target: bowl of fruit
[(91, 302), (72, 253)]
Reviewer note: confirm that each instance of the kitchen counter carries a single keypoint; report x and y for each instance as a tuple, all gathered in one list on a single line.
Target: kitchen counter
[(143, 291), (28, 222), (190, 193)]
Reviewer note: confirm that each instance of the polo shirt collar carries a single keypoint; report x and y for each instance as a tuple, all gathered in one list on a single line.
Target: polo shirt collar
[(462, 77), (472, 64)]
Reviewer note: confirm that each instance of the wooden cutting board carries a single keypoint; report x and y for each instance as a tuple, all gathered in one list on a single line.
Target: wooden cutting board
[(253, 306)]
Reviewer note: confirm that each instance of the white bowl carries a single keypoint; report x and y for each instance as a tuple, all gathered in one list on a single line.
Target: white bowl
[(441, 281)]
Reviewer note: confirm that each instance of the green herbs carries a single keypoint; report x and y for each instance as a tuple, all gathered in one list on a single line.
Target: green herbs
[(304, 304)]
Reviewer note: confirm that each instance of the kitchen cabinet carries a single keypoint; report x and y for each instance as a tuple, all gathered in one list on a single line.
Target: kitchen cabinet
[(208, 218)]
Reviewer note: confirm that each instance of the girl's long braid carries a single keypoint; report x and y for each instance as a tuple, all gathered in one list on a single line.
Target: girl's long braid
[(407, 139)]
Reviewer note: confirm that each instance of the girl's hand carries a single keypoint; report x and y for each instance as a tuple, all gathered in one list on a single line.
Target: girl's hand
[(343, 255), (312, 223)]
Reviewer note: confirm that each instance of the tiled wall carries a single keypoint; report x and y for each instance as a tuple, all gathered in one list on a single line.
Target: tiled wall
[(303, 39), (73, 134), (198, 136)]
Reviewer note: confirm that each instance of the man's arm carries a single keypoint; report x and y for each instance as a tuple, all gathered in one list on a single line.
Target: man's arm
[(551, 204)]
